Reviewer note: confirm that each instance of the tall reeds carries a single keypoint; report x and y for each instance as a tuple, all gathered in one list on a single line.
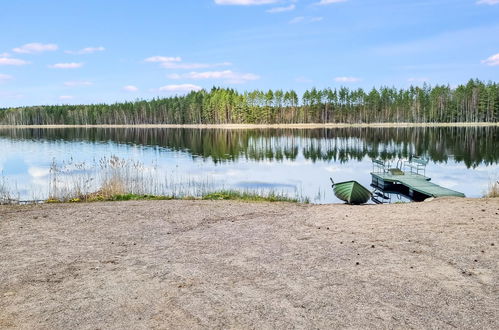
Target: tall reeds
[(114, 178)]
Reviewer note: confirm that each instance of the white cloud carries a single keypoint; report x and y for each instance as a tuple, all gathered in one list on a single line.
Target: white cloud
[(488, 2), (72, 65), (66, 97), (130, 88), (86, 50), (303, 19), (76, 83), (174, 76), (328, 2), (35, 47), (4, 77), (4, 54), (245, 2), (347, 79), (12, 61), (175, 63), (282, 9), (492, 60), (192, 66), (162, 59), (38, 172), (226, 75), (180, 88)]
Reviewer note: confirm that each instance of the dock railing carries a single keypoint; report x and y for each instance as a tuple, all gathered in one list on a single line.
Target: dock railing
[(380, 166), (416, 164)]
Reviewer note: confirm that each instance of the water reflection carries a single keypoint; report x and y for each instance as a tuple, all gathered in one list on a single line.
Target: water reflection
[(288, 160), (470, 145)]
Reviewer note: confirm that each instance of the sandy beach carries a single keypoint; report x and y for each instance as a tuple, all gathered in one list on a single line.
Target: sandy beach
[(222, 264)]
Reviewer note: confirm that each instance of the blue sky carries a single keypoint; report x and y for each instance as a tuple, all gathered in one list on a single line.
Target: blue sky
[(88, 51)]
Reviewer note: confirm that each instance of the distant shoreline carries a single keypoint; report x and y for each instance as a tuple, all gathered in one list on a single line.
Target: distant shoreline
[(259, 126)]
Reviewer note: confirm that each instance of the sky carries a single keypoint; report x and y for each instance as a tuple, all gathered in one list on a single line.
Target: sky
[(94, 51)]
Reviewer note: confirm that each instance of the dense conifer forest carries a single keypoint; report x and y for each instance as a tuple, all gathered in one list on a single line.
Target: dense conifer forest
[(475, 101)]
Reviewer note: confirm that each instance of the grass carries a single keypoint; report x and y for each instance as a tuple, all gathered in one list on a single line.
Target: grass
[(493, 191), (220, 195), (250, 197), (116, 179)]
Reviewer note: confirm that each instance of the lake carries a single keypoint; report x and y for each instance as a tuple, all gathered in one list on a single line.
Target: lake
[(293, 162)]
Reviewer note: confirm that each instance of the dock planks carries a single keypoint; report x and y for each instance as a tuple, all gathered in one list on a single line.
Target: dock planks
[(415, 182)]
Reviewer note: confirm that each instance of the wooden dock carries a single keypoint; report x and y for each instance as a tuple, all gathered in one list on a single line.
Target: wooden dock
[(414, 185)]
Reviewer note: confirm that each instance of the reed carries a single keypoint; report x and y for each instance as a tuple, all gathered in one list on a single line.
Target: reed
[(113, 178), (493, 190), (5, 196)]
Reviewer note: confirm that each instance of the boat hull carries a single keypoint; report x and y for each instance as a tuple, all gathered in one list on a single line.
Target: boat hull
[(351, 192)]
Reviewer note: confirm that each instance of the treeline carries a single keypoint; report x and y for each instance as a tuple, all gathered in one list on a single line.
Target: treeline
[(474, 102)]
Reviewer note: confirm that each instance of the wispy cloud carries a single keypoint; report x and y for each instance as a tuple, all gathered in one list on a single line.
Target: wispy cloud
[(281, 9), (35, 47), (226, 75), (38, 172), (4, 77), (245, 2), (12, 61), (66, 97), (176, 63), (347, 79), (130, 88), (488, 2), (303, 19), (328, 2), (192, 66), (86, 50), (180, 88), (77, 83), (71, 65), (492, 60), (162, 59)]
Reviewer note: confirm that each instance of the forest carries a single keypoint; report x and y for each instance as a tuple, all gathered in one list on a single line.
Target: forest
[(475, 101)]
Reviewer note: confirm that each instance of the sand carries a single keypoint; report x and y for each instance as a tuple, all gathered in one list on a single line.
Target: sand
[(221, 264)]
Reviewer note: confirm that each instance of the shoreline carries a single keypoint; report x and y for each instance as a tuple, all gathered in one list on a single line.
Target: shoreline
[(261, 126)]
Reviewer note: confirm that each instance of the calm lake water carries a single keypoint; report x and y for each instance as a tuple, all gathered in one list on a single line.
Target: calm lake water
[(293, 162)]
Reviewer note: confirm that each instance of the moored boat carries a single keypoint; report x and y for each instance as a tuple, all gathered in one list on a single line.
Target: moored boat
[(351, 192)]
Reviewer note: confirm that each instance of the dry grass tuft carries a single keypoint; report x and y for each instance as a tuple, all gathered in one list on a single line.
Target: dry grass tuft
[(493, 190)]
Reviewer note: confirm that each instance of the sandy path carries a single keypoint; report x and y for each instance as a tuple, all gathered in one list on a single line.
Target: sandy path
[(198, 264)]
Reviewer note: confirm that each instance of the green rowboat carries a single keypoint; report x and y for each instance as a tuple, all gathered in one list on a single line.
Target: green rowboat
[(351, 192)]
